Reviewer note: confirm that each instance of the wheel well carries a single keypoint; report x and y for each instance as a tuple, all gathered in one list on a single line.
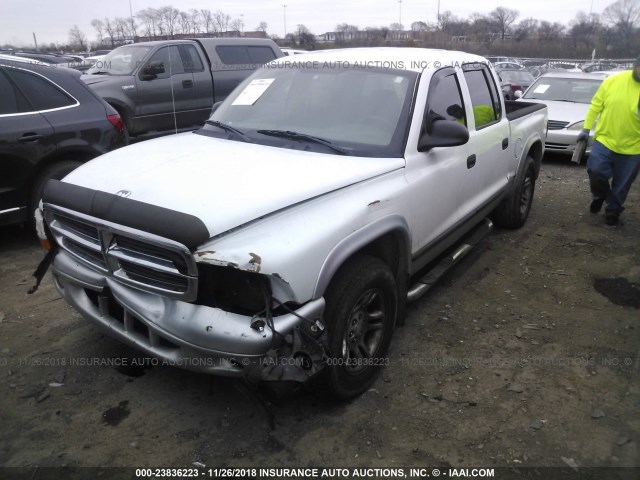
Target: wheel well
[(535, 151), (388, 248)]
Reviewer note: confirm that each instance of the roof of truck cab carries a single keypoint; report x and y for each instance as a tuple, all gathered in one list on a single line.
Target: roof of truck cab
[(401, 58)]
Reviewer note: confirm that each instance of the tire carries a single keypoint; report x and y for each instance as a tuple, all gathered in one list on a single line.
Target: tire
[(55, 171), (514, 210), (361, 312)]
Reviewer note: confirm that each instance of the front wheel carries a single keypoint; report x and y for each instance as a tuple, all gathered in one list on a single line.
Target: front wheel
[(362, 307), (514, 210)]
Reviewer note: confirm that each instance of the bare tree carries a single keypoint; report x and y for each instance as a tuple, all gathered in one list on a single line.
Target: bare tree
[(419, 27), (110, 28), (237, 25), (585, 30), (170, 19), (221, 21), (550, 32), (526, 29), (306, 39), (481, 28), (77, 38), (624, 16), (122, 29), (345, 27), (184, 20), (444, 19), (262, 27), (503, 18), (206, 20), (194, 16), (149, 19), (99, 27)]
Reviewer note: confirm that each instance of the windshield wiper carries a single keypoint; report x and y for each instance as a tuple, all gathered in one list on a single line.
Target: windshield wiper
[(303, 136), (100, 72), (229, 128)]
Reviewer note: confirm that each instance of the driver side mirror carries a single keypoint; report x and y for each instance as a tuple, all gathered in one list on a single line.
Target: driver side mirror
[(152, 70), (444, 133), (518, 94)]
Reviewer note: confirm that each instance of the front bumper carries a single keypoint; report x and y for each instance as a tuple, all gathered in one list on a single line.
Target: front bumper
[(563, 141), (182, 334)]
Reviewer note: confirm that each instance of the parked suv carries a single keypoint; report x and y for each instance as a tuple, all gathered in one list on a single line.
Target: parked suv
[(50, 123)]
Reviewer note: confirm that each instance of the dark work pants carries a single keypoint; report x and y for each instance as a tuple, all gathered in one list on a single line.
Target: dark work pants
[(604, 165)]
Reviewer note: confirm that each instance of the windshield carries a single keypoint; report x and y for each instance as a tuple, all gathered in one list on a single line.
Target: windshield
[(578, 90), (361, 111), (121, 61)]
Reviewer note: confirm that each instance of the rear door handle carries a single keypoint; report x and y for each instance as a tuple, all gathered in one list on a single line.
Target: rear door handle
[(505, 143), (30, 137), (187, 83), (471, 161)]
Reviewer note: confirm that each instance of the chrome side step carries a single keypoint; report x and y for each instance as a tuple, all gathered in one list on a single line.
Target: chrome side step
[(471, 240)]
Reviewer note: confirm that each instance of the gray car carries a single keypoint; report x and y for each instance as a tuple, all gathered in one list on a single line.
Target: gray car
[(567, 96)]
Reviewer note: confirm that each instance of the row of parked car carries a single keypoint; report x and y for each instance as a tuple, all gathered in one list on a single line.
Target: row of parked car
[(566, 88), (53, 119)]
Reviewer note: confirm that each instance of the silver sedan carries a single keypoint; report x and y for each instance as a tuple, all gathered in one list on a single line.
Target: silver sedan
[(567, 97)]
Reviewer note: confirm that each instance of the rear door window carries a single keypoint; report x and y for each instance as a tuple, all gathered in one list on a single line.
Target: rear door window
[(484, 95), (40, 92), (190, 59)]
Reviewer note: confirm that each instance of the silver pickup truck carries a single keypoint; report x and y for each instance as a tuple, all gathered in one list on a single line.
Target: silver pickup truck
[(282, 241), (171, 85)]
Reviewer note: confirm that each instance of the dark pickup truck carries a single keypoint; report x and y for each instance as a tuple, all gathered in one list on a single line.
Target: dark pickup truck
[(171, 85)]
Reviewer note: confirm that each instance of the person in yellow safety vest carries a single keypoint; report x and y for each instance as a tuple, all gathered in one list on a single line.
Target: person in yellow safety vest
[(483, 114), (615, 154)]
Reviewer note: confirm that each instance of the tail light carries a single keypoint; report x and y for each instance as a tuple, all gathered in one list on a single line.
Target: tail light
[(116, 121), (516, 87)]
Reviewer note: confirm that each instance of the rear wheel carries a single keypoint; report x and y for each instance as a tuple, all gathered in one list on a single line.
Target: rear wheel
[(514, 210), (56, 171), (362, 305)]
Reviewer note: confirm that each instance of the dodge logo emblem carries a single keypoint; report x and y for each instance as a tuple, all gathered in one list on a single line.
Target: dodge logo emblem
[(124, 193)]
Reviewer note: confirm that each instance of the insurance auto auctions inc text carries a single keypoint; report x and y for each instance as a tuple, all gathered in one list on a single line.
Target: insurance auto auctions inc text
[(373, 473)]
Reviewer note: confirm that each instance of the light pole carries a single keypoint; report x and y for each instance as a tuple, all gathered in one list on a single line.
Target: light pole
[(400, 3), (242, 24), (284, 13), (132, 24)]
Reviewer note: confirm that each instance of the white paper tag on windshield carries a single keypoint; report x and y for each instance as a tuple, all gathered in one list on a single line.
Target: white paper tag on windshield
[(253, 91), (541, 88)]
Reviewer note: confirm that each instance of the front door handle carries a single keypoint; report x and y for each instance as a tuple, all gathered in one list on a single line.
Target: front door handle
[(187, 83), (505, 143), (30, 137), (471, 161)]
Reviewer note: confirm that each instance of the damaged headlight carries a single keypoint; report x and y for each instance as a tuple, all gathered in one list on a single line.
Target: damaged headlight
[(231, 289)]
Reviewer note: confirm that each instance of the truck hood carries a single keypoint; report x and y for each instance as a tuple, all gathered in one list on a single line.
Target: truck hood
[(111, 79), (571, 112), (222, 182)]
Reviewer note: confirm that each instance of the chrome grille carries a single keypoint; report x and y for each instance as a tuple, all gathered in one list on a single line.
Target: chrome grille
[(556, 124), (132, 257)]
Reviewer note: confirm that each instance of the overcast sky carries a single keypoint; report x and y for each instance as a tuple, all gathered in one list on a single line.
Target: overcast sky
[(52, 19)]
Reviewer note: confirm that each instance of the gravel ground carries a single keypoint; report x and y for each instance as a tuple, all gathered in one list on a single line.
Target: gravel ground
[(526, 354)]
